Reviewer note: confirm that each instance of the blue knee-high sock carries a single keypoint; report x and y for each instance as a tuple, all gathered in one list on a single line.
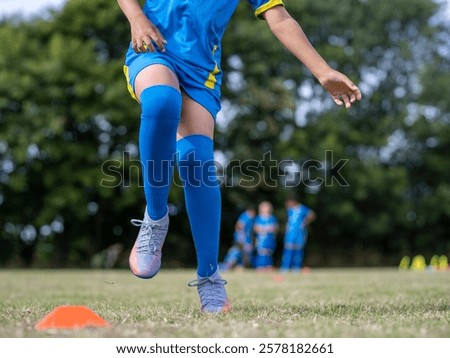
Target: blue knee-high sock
[(202, 195), (297, 259), (286, 259), (161, 110)]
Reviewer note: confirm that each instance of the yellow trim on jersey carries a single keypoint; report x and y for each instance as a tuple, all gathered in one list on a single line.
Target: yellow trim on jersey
[(129, 87), (268, 5), (212, 80)]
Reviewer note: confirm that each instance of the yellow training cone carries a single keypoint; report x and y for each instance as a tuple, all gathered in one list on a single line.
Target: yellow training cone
[(443, 263), (418, 263), (404, 263)]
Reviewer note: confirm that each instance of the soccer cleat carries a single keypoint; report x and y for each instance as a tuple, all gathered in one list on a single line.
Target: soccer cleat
[(213, 297), (145, 257)]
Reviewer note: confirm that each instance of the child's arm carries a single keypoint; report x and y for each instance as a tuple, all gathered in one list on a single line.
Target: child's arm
[(291, 35), (273, 228), (143, 32), (239, 227), (309, 218)]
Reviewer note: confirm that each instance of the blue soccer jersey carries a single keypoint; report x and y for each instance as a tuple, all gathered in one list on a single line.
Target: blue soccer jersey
[(265, 228), (295, 233), (244, 235), (193, 30)]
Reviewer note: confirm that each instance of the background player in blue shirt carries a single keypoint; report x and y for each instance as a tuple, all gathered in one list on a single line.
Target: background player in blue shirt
[(243, 234), (173, 70), (299, 216), (265, 228), (241, 252)]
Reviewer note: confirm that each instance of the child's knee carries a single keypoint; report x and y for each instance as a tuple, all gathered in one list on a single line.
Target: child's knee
[(161, 101), (195, 149)]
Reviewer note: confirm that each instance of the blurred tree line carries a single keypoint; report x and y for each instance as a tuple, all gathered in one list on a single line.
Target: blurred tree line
[(377, 175)]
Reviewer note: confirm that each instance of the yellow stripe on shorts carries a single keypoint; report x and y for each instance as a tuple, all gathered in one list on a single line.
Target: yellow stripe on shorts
[(212, 80), (129, 87)]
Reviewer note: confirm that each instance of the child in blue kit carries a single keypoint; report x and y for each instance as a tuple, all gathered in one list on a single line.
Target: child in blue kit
[(265, 228), (241, 252), (173, 70), (299, 217), (243, 234)]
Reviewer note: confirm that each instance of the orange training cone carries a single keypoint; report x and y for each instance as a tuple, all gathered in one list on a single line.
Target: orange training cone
[(71, 317)]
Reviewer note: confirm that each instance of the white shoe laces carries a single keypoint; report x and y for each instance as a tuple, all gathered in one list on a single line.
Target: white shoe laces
[(151, 237), (210, 290)]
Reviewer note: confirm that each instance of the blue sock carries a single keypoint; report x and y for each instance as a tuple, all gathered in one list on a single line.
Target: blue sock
[(161, 110), (202, 195)]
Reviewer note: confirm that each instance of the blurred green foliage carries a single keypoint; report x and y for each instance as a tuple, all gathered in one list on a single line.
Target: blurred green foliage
[(65, 112)]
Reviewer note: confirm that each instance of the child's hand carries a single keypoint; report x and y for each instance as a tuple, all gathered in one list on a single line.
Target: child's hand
[(144, 34), (340, 87)]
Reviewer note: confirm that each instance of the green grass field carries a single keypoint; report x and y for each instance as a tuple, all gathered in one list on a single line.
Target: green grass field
[(324, 303)]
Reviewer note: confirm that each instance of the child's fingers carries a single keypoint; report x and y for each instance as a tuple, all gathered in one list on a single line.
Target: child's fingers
[(337, 100), (158, 38), (148, 45), (346, 100), (135, 46), (159, 42), (354, 88), (138, 46), (357, 93)]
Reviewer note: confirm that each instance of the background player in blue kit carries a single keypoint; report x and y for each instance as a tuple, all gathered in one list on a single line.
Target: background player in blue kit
[(173, 70), (265, 228), (241, 252), (299, 216), (243, 234)]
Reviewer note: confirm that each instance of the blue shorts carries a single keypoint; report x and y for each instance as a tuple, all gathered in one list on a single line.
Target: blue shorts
[(262, 261), (193, 81)]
